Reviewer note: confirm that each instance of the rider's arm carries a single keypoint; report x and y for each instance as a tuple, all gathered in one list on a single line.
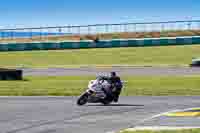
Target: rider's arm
[(119, 82), (105, 78)]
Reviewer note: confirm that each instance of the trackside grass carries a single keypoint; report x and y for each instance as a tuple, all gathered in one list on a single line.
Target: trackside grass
[(141, 56), (75, 85), (174, 131)]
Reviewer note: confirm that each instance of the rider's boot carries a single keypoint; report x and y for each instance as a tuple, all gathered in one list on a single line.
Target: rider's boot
[(116, 95), (116, 98)]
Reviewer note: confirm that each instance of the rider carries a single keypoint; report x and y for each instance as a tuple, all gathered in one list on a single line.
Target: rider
[(116, 85)]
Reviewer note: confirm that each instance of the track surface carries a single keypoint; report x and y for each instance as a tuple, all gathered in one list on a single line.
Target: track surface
[(120, 70), (62, 115)]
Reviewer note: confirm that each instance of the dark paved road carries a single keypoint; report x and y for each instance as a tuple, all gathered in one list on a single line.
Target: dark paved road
[(120, 70), (62, 115)]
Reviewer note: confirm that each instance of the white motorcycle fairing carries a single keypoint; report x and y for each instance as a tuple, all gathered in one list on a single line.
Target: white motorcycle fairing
[(95, 93), (95, 86)]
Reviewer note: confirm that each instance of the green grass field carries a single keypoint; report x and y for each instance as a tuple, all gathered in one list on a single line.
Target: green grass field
[(155, 56), (74, 85), (175, 131)]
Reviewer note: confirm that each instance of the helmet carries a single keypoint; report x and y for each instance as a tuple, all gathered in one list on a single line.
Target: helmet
[(113, 74)]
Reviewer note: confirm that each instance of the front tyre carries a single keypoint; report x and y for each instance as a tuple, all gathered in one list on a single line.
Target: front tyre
[(82, 99)]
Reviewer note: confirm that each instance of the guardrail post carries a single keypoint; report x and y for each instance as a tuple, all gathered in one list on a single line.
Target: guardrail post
[(40, 33), (199, 25), (59, 30), (31, 34), (12, 34), (189, 26), (107, 28), (79, 30), (163, 27)]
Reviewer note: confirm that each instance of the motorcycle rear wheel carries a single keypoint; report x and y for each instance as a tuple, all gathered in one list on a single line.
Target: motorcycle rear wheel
[(105, 102), (83, 99)]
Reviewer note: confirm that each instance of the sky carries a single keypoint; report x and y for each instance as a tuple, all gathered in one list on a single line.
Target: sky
[(36, 13)]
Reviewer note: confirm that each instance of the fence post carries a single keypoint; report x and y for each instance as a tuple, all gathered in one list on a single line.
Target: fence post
[(79, 30), (31, 34), (12, 34), (163, 27), (59, 31), (88, 30), (135, 27), (125, 28), (144, 27), (107, 28), (2, 34), (198, 25), (69, 29), (40, 32), (189, 26)]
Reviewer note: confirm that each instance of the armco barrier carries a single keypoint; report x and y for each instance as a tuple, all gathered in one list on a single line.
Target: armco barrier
[(101, 44)]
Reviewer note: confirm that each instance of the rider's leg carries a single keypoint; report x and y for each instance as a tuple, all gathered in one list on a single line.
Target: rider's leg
[(109, 95), (117, 93)]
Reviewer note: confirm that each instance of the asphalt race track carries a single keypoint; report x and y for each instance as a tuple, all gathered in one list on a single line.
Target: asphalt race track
[(120, 70), (62, 115)]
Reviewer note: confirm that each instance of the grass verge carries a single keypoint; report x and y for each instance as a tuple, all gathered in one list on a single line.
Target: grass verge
[(153, 56), (75, 85)]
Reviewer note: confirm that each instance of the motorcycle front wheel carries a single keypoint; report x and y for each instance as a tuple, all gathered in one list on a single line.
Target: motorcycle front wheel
[(82, 99)]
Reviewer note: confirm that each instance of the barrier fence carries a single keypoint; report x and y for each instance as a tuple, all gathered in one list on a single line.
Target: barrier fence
[(99, 29), (101, 44)]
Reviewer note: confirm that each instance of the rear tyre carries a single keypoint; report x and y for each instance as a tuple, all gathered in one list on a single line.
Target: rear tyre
[(82, 99), (105, 102)]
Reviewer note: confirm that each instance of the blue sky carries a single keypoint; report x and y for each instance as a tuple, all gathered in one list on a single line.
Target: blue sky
[(34, 13)]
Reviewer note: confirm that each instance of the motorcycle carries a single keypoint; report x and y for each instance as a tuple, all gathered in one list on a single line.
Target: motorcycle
[(96, 93)]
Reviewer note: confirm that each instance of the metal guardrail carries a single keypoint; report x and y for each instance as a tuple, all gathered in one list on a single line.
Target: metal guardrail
[(100, 29)]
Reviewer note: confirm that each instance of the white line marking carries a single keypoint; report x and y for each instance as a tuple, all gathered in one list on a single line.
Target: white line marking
[(111, 132), (155, 116), (159, 128)]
